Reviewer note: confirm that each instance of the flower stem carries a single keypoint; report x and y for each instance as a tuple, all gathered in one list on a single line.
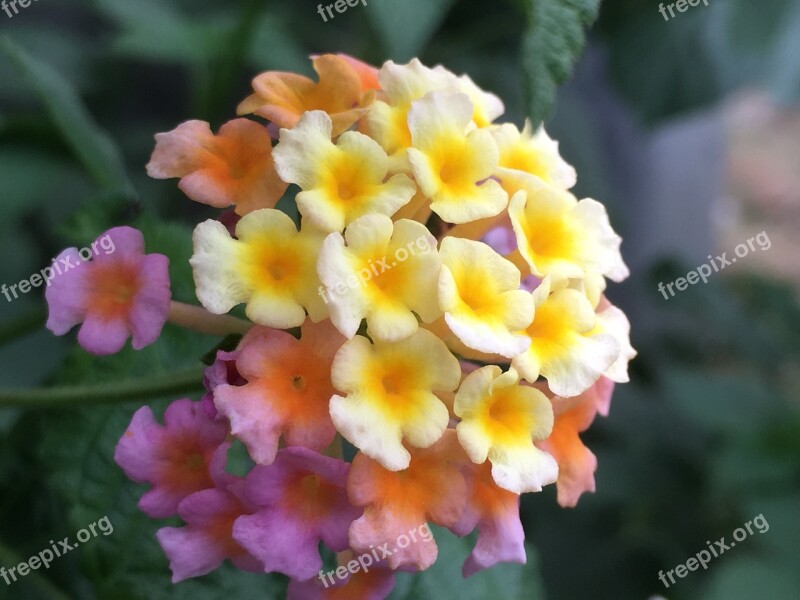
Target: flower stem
[(200, 320), (170, 384)]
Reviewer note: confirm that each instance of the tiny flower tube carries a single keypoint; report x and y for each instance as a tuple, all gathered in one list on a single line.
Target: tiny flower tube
[(500, 420), (301, 501), (234, 167), (117, 294), (271, 267), (339, 182), (390, 395), (185, 455)]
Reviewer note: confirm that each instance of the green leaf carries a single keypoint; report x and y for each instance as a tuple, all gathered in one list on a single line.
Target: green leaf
[(405, 27), (662, 68), (550, 47), (155, 30), (92, 146)]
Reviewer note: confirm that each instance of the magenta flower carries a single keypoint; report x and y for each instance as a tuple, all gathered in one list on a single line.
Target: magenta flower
[(222, 372), (302, 501), (120, 292), (206, 540), (185, 455), (495, 512)]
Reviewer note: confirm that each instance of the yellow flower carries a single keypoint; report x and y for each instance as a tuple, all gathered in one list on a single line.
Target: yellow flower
[(452, 161), (339, 182), (487, 106), (566, 348), (271, 267), (562, 237), (526, 153), (480, 296), (385, 274), (387, 121), (390, 395), (612, 321), (500, 420)]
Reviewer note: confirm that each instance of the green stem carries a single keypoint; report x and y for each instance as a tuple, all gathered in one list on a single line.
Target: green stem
[(9, 558), (183, 382), (200, 320)]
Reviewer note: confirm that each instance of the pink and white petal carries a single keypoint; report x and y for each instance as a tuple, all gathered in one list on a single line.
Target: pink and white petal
[(126, 242), (176, 152), (281, 542), (500, 539), (191, 553), (103, 336), (138, 447), (251, 419), (66, 293)]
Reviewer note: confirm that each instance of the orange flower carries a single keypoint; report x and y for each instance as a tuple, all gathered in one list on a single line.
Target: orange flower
[(576, 462), (366, 72), (396, 503), (234, 167), (287, 392), (283, 97)]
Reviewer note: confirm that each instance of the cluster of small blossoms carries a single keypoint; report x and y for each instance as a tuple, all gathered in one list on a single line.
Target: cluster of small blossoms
[(462, 371)]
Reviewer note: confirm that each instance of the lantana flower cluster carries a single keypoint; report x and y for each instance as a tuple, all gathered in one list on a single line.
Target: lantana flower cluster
[(431, 301)]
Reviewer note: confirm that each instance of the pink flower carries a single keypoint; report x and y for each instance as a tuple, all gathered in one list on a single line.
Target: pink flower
[(302, 501), (120, 292), (206, 540), (287, 392), (184, 456), (495, 512), (222, 372)]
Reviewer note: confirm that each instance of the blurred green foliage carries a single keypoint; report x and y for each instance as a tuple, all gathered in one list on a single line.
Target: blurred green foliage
[(705, 438)]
